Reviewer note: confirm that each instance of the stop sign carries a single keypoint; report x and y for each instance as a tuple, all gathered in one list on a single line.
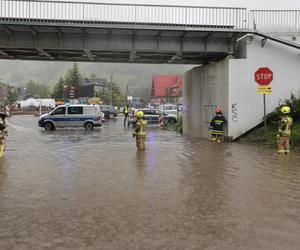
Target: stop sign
[(263, 76)]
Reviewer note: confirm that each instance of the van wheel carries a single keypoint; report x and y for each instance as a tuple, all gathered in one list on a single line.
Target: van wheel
[(89, 126), (111, 116), (49, 126)]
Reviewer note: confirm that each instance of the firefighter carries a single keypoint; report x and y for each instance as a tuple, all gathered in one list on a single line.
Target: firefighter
[(216, 126), (126, 112), (140, 131), (3, 133), (284, 131)]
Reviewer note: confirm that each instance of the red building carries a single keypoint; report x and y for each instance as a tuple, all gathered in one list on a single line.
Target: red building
[(166, 89)]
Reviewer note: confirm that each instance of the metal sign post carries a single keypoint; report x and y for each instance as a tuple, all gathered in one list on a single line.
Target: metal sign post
[(264, 76), (265, 116)]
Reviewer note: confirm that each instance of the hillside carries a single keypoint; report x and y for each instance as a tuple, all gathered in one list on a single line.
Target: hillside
[(135, 75), (257, 135)]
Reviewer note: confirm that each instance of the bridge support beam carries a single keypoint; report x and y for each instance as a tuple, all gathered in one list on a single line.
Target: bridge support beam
[(99, 44)]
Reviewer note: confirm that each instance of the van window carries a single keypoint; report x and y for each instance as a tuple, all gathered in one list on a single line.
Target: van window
[(91, 110), (59, 111), (75, 110)]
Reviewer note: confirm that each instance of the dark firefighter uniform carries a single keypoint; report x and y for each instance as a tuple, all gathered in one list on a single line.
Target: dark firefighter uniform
[(3, 133), (284, 131), (140, 131), (216, 126)]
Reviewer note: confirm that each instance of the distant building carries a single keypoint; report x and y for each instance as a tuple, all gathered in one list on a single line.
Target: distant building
[(89, 87), (166, 89), (71, 92)]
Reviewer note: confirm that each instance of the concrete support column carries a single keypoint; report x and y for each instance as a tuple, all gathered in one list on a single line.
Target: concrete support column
[(205, 88)]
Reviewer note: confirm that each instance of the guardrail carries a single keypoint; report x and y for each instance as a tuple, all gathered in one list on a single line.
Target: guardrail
[(276, 20), (90, 12)]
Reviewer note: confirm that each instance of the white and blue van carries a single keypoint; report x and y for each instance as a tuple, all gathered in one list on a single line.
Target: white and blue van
[(79, 115)]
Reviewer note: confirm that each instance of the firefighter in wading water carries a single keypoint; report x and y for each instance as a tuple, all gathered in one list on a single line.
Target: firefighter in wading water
[(140, 131), (3, 133), (216, 126), (284, 131)]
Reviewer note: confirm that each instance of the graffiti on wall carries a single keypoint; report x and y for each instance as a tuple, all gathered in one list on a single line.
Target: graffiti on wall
[(234, 112), (209, 111)]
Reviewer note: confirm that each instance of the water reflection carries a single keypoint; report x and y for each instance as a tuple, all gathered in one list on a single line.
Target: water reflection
[(179, 194)]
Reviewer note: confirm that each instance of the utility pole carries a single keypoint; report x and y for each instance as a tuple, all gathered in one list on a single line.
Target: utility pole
[(127, 93), (110, 91)]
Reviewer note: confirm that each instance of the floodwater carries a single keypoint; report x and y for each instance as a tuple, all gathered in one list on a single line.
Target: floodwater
[(77, 189)]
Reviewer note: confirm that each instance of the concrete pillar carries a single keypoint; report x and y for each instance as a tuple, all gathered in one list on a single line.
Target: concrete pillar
[(205, 88)]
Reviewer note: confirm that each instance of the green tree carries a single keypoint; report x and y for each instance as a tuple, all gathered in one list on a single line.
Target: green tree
[(104, 96), (93, 76), (117, 98), (43, 90), (38, 90), (31, 88), (12, 95), (73, 76), (58, 90)]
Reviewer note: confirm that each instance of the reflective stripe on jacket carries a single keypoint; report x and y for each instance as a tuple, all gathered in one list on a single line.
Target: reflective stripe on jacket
[(285, 125), (126, 110), (216, 124), (141, 127), (3, 129)]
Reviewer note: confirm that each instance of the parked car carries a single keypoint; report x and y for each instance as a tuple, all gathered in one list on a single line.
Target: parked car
[(109, 111), (152, 117), (170, 108), (87, 116)]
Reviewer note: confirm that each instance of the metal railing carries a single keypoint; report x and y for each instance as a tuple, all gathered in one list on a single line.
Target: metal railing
[(275, 20), (90, 12)]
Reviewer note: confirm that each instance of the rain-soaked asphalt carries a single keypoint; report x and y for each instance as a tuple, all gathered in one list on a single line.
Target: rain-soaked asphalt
[(74, 189)]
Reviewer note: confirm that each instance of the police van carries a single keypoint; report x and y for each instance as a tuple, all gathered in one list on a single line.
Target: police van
[(79, 115)]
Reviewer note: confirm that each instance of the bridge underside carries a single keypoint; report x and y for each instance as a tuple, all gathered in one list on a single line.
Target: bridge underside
[(115, 43)]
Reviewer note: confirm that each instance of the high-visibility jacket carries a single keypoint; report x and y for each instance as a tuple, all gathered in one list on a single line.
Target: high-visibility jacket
[(285, 125), (216, 124), (140, 127), (126, 110)]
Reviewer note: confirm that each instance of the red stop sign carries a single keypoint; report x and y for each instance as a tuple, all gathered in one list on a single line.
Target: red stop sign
[(263, 76)]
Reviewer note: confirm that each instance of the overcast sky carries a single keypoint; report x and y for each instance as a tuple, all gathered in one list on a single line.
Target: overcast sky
[(249, 4)]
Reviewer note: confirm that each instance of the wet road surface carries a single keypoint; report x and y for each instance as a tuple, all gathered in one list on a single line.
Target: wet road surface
[(76, 189)]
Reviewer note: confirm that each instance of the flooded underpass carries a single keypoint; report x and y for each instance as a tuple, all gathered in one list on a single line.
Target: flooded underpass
[(77, 189)]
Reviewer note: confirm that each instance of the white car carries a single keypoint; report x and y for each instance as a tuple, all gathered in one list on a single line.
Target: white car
[(170, 108)]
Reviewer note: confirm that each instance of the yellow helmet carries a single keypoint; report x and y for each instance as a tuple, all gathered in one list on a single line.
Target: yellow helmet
[(285, 110), (139, 114)]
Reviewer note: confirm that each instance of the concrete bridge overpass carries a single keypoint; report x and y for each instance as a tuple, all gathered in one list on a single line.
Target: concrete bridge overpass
[(230, 44), (127, 33)]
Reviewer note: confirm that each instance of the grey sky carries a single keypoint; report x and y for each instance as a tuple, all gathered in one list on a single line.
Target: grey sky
[(249, 4)]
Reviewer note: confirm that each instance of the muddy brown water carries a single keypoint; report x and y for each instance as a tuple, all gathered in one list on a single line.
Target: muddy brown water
[(76, 189)]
